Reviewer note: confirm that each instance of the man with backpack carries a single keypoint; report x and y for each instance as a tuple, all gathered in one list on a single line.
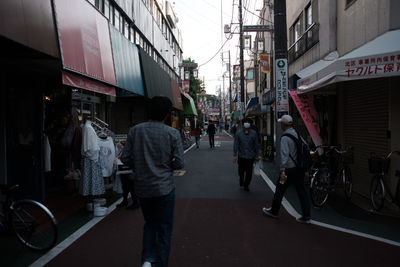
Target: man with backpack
[(294, 163)]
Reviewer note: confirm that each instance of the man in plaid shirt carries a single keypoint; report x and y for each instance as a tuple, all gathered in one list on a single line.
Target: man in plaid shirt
[(154, 150)]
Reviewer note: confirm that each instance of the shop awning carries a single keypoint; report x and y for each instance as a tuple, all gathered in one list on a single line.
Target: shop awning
[(127, 63), (375, 59), (84, 40), (189, 108), (156, 81), (79, 81), (253, 101), (176, 93), (269, 97)]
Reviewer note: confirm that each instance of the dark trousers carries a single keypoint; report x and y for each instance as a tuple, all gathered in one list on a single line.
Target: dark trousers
[(211, 139), (296, 177), (158, 213), (245, 171), (197, 140), (128, 187)]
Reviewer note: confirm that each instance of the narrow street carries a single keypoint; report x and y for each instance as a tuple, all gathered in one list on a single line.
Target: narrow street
[(219, 224)]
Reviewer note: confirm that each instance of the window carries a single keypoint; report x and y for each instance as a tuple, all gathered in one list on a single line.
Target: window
[(132, 34), (309, 19), (250, 74), (99, 5), (107, 8), (126, 31)]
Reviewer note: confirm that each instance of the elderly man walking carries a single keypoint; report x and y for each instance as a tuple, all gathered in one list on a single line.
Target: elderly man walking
[(245, 152), (289, 172), (154, 150)]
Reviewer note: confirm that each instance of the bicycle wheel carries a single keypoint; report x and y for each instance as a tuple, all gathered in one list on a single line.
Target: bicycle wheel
[(319, 189), (346, 178), (34, 225), (377, 193)]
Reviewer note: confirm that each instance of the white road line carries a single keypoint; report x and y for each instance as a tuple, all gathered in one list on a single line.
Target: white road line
[(71, 239), (187, 150), (289, 208), (51, 254)]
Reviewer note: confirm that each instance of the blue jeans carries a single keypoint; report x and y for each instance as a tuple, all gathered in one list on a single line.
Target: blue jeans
[(197, 141), (158, 214)]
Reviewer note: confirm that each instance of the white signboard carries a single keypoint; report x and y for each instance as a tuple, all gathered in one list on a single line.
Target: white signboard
[(281, 78)]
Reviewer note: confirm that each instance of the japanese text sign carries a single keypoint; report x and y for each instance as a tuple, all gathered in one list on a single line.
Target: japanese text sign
[(281, 78)]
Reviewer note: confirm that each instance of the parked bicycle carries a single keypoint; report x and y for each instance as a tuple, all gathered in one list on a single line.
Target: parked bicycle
[(379, 166), (186, 139), (328, 171), (32, 222)]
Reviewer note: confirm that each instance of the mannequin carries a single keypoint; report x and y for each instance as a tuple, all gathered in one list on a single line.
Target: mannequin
[(92, 182)]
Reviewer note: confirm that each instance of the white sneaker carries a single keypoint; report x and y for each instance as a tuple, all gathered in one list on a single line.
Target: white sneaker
[(146, 264), (267, 211)]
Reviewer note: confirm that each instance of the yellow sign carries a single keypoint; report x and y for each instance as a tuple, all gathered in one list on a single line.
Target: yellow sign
[(265, 63)]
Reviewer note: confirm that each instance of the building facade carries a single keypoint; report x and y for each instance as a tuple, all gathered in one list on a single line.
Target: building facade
[(344, 54), (64, 60)]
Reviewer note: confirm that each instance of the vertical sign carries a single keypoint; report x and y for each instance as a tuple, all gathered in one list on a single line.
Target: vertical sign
[(265, 63), (306, 108), (187, 75), (186, 85), (281, 78)]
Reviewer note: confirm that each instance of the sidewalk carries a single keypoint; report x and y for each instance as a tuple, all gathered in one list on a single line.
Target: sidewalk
[(352, 215)]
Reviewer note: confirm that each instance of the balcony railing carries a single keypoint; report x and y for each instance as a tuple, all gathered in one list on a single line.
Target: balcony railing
[(307, 40)]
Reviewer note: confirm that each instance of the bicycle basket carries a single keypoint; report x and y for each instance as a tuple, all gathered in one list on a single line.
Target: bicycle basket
[(377, 165)]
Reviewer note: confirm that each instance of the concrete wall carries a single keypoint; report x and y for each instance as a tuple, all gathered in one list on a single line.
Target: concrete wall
[(362, 21), (327, 11), (394, 14)]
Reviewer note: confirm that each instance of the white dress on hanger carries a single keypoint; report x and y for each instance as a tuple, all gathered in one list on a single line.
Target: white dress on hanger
[(92, 182)]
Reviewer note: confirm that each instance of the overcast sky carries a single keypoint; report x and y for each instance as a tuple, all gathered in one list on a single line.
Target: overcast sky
[(200, 23)]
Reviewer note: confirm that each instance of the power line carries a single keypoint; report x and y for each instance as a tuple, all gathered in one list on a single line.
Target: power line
[(257, 15), (215, 53)]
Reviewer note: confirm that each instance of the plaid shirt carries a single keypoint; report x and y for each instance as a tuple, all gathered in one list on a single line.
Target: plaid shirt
[(153, 150)]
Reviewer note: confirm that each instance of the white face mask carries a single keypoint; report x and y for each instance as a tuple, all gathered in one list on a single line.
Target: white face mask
[(246, 125)]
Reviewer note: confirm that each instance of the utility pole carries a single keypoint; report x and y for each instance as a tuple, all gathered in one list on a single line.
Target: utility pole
[(230, 84), (280, 66), (241, 54)]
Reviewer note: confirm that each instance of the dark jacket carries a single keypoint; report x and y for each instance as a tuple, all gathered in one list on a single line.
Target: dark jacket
[(211, 129)]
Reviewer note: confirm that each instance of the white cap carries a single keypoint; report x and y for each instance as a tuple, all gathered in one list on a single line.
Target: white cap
[(286, 119)]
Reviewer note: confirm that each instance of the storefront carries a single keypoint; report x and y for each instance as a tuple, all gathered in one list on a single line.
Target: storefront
[(28, 71), (189, 111), (360, 87)]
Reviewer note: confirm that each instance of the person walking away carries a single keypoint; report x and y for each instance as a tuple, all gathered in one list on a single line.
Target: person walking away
[(154, 150), (197, 133), (211, 132), (124, 181), (289, 173), (245, 152)]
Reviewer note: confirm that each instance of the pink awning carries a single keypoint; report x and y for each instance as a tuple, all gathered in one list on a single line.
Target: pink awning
[(79, 81)]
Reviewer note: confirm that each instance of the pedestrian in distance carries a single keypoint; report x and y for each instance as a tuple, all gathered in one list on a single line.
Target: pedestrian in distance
[(154, 150), (211, 133), (197, 134), (290, 171), (245, 152)]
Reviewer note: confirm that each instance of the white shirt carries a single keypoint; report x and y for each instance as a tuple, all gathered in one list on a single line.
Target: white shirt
[(90, 146)]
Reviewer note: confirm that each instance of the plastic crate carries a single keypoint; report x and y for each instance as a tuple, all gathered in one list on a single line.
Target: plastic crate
[(377, 165)]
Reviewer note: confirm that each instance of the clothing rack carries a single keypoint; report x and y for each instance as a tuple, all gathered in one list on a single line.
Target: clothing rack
[(102, 127)]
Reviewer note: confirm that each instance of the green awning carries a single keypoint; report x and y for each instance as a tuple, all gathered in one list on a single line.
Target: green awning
[(189, 108), (157, 81)]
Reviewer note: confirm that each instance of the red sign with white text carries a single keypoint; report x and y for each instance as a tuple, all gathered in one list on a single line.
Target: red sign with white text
[(306, 108), (84, 37), (79, 81)]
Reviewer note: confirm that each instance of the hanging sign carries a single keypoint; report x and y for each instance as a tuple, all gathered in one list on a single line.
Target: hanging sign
[(306, 108), (186, 85), (281, 78), (265, 66)]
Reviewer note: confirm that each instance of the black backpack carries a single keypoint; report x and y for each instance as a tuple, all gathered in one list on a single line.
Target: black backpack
[(304, 160)]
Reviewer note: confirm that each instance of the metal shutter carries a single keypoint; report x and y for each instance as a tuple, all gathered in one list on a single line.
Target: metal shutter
[(366, 121)]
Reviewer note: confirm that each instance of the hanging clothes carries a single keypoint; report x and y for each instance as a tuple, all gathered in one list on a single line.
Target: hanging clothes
[(107, 156), (92, 182)]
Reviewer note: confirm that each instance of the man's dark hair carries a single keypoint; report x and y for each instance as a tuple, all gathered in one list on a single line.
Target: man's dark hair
[(160, 106)]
